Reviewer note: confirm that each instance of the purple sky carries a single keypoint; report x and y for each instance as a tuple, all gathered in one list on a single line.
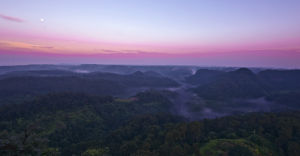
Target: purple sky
[(195, 32)]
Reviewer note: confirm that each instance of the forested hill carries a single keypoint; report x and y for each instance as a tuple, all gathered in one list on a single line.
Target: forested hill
[(254, 134), (243, 83), (152, 111), (28, 83), (67, 124), (71, 122)]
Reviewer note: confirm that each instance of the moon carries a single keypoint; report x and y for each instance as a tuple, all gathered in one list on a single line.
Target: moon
[(42, 20)]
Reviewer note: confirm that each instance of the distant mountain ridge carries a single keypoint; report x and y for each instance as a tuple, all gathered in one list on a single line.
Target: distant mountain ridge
[(96, 83), (243, 83)]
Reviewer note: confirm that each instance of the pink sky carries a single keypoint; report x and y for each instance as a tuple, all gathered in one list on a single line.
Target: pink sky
[(208, 34)]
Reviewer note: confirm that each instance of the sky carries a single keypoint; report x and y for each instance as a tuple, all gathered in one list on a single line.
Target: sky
[(250, 33)]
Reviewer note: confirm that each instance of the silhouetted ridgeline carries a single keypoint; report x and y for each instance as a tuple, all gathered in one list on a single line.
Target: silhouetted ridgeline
[(92, 83)]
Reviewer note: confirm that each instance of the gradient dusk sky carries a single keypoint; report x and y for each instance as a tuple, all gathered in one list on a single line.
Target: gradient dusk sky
[(254, 33)]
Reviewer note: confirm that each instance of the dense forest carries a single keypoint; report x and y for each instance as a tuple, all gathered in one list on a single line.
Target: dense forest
[(80, 124), (169, 111)]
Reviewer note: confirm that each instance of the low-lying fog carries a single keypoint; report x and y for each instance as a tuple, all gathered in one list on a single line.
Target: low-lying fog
[(186, 101)]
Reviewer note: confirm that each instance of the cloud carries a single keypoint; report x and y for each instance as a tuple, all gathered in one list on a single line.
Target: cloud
[(110, 51), (24, 45), (3, 44), (12, 19), (44, 47), (138, 51), (126, 51)]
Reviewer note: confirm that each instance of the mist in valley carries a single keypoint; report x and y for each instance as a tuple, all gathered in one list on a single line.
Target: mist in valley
[(185, 101)]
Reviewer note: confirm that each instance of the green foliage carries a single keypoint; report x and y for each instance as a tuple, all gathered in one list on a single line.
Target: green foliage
[(96, 152), (66, 124), (74, 122), (253, 134), (27, 142), (233, 147)]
